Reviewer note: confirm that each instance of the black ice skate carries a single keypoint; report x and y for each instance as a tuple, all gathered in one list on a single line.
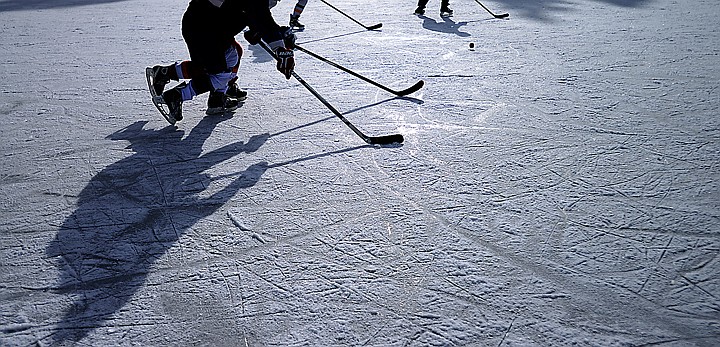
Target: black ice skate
[(157, 99), (420, 11), (161, 76), (173, 99), (295, 24), (234, 92), (219, 103), (445, 11)]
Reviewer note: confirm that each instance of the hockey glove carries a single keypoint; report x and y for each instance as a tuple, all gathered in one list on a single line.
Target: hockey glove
[(252, 37), (286, 61), (288, 37)]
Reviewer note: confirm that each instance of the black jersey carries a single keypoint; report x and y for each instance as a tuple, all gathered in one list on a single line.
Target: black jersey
[(228, 18)]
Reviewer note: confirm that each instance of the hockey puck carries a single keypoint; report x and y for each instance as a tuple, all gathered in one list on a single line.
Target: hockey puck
[(472, 45)]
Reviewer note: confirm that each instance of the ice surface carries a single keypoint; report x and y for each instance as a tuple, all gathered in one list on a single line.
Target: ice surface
[(558, 184)]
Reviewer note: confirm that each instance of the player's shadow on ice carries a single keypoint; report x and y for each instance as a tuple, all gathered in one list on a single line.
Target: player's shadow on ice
[(132, 212), (549, 10), (406, 98), (333, 37), (259, 54), (447, 26), (20, 5)]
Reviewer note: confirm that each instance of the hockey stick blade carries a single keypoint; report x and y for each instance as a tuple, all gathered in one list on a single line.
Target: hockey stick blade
[(404, 92), (374, 27), (385, 140), (373, 140), (412, 89), (499, 16)]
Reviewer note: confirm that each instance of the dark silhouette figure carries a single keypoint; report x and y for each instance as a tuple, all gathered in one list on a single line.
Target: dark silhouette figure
[(132, 212), (446, 26)]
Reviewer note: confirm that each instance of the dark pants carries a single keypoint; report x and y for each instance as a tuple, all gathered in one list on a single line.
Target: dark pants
[(206, 43), (423, 3)]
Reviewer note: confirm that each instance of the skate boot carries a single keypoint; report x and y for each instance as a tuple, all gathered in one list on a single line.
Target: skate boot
[(445, 11), (173, 99), (161, 77), (219, 103), (234, 92), (420, 11), (295, 24)]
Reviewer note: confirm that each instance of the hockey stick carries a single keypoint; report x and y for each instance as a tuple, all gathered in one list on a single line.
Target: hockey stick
[(372, 27), (410, 90), (504, 15), (373, 140)]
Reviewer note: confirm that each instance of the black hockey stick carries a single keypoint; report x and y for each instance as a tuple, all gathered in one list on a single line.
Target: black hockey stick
[(373, 140), (410, 90), (372, 27), (504, 15)]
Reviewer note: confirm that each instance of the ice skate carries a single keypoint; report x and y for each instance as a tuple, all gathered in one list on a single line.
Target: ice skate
[(173, 99), (234, 92), (157, 99), (161, 76), (295, 24), (220, 103)]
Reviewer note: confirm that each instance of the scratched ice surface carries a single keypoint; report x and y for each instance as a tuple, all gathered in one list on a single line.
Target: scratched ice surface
[(558, 184)]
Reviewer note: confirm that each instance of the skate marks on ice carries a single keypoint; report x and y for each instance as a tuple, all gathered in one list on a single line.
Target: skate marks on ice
[(250, 224), (616, 219), (135, 210), (132, 212)]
